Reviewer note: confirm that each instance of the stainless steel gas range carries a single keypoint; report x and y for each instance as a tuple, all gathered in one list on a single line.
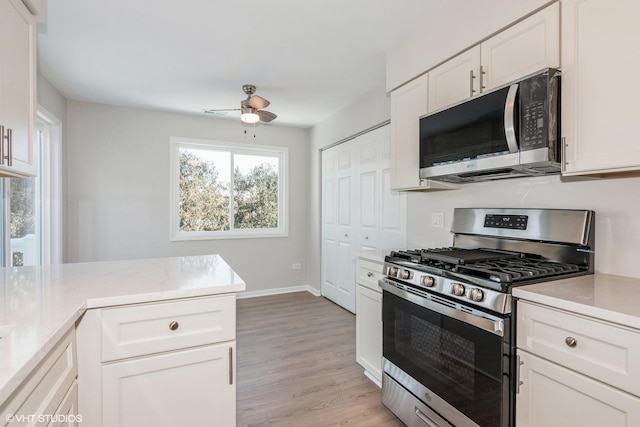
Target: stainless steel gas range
[(448, 331)]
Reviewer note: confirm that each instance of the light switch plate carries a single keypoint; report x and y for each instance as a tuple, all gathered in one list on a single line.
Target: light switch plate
[(437, 219)]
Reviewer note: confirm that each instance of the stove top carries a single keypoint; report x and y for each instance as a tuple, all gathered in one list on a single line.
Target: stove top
[(494, 265), (495, 249)]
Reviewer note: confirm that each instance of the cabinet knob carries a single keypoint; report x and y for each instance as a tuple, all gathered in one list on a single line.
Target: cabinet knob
[(174, 325), (369, 274), (571, 341)]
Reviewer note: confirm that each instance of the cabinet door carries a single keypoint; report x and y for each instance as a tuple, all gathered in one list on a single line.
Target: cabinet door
[(408, 103), (525, 48), (393, 204), (550, 395), (369, 331), (17, 87), (599, 90), (455, 80), (190, 387)]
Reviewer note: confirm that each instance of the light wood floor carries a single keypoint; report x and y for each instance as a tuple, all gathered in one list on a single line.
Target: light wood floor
[(296, 366)]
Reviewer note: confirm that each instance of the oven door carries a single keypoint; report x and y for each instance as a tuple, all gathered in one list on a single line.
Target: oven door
[(456, 362)]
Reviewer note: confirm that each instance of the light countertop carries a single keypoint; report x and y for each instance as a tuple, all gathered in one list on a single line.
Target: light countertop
[(603, 296), (375, 255), (40, 304)]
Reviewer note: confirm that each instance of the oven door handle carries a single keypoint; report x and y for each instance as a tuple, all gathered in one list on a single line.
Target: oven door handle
[(495, 326)]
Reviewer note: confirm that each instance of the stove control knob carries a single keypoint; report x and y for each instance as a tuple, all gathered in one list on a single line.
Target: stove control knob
[(427, 281), (457, 289), (404, 274), (476, 295), (393, 271)]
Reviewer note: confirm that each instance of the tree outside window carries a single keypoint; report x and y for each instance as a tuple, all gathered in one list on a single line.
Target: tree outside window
[(213, 202)]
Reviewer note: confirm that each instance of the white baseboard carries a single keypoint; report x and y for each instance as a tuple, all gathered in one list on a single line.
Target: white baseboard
[(372, 378), (278, 291)]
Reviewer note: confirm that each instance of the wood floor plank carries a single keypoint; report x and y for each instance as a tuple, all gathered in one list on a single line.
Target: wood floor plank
[(296, 366)]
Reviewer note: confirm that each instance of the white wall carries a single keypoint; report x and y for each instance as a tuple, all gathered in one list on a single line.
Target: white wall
[(118, 192), (370, 110), (615, 202), (51, 99)]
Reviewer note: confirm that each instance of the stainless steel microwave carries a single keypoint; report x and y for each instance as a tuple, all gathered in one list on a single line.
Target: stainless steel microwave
[(509, 132)]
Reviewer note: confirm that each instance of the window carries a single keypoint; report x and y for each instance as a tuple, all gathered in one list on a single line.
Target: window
[(223, 190), (30, 206)]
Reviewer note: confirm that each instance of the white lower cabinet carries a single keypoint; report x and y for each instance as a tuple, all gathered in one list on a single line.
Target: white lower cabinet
[(551, 395), (48, 397), (190, 387), (575, 371), (369, 319), (67, 414), (159, 364)]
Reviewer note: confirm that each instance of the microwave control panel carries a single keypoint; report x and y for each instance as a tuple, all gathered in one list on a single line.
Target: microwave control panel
[(535, 96)]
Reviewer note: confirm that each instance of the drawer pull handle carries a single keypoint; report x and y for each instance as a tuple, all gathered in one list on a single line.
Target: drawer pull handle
[(369, 274), (174, 325), (571, 341)]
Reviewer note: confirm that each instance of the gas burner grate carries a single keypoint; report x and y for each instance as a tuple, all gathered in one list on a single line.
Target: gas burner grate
[(516, 270)]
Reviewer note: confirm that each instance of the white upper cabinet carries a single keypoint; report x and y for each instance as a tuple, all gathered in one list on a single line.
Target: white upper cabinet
[(600, 66), (529, 46), (455, 80), (17, 89), (408, 103), (522, 49)]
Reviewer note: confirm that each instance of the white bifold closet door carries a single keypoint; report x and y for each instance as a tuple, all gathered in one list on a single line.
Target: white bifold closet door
[(359, 210)]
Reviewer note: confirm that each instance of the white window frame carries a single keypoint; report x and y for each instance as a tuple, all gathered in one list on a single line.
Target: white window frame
[(282, 153), (51, 190)]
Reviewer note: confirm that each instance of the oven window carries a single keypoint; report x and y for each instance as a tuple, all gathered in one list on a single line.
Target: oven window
[(459, 362)]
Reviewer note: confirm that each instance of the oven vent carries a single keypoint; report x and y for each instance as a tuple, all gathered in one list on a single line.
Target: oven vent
[(444, 302), (414, 291), (466, 309)]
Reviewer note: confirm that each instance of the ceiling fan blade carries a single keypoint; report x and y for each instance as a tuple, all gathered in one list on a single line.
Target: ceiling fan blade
[(257, 102), (220, 110), (266, 116)]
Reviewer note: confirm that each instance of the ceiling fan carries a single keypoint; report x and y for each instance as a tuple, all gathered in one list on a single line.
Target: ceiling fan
[(251, 108)]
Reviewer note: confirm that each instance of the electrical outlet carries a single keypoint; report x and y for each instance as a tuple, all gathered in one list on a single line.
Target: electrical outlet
[(437, 219), (296, 266)]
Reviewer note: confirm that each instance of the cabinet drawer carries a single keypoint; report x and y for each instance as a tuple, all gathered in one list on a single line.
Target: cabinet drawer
[(369, 273), (604, 351), (153, 328), (46, 387)]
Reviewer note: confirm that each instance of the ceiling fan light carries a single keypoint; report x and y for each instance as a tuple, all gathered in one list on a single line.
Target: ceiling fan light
[(250, 118)]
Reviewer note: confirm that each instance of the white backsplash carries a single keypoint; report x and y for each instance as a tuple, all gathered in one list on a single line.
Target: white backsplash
[(615, 201)]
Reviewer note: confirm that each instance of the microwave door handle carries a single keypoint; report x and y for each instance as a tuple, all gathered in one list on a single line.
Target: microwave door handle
[(509, 119)]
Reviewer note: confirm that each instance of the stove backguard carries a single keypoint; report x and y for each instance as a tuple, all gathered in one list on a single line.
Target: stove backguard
[(560, 235)]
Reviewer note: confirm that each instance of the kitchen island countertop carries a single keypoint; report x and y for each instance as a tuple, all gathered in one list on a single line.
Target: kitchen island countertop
[(602, 296), (38, 305)]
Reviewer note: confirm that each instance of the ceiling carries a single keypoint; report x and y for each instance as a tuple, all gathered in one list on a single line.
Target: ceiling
[(309, 58)]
